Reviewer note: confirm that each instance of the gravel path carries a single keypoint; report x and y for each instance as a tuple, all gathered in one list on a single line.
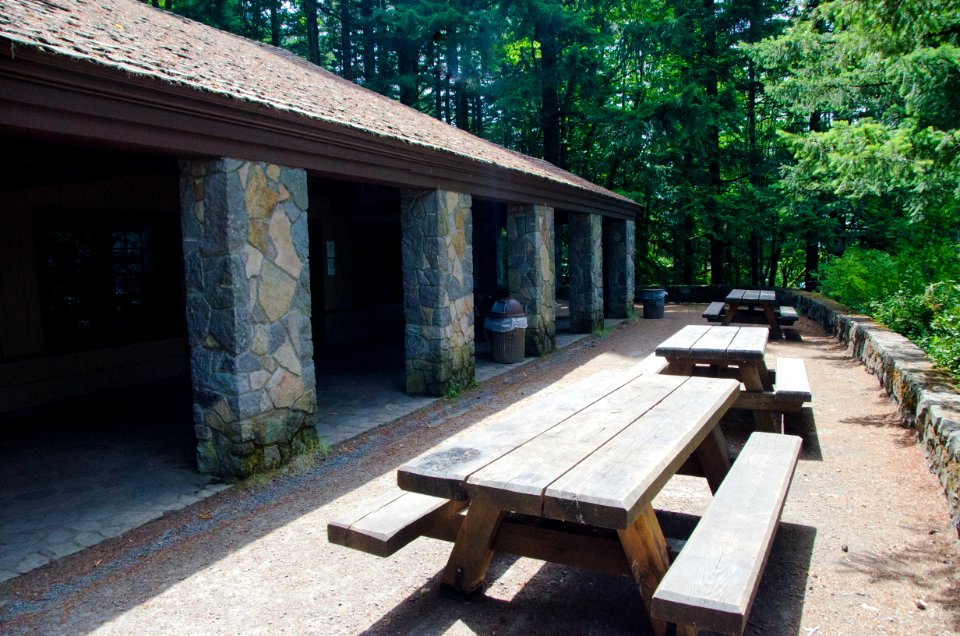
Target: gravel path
[(865, 547)]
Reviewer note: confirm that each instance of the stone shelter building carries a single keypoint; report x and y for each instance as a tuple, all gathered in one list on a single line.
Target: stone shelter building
[(178, 199)]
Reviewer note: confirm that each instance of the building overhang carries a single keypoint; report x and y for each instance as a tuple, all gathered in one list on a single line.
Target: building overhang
[(56, 97)]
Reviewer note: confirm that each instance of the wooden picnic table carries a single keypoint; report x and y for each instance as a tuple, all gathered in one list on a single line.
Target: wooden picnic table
[(740, 349), (573, 481), (744, 300)]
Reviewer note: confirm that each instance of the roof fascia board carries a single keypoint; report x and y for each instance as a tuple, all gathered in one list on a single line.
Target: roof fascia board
[(59, 97)]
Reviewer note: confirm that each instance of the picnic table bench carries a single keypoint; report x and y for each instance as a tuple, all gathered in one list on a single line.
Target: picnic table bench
[(570, 478), (752, 306), (740, 352)]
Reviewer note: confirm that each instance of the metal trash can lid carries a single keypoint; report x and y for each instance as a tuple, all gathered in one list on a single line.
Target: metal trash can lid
[(506, 307)]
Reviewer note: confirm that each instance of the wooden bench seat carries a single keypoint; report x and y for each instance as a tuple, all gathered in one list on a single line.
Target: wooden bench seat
[(385, 524), (714, 313), (787, 315), (791, 390), (712, 583)]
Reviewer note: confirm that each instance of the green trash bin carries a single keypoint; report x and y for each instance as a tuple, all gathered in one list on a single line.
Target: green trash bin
[(653, 300)]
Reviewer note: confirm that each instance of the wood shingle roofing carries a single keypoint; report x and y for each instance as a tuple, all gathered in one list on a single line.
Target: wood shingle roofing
[(140, 76)]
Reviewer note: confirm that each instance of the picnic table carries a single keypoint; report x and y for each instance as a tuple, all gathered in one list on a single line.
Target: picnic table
[(740, 352), (571, 480), (751, 305)]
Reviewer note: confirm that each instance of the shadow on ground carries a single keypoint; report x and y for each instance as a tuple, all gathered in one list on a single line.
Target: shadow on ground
[(592, 603)]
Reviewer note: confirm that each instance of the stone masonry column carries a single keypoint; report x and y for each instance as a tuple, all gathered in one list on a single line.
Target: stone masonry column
[(530, 237), (619, 236), (437, 229), (585, 233), (248, 313)]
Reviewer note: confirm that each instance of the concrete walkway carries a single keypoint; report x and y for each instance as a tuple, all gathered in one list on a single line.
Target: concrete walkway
[(94, 469)]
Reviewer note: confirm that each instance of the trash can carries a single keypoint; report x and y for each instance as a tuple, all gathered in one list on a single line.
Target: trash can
[(506, 327), (653, 300)]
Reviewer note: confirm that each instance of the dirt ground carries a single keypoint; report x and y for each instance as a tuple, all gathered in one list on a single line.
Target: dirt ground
[(865, 545)]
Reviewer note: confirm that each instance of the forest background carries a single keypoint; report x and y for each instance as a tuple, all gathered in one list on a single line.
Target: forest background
[(768, 142)]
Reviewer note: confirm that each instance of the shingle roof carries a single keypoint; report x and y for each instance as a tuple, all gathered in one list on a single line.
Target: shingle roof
[(139, 40)]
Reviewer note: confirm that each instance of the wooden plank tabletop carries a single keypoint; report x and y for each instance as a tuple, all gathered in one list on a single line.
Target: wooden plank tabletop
[(635, 437), (517, 480), (443, 472), (699, 342), (735, 295), (751, 296), (611, 486)]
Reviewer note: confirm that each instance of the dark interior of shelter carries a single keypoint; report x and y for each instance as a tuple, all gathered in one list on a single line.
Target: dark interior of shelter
[(93, 330), (93, 333)]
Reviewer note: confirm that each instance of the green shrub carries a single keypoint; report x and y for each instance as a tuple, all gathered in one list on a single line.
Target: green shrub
[(860, 277), (900, 291), (905, 313), (943, 345)]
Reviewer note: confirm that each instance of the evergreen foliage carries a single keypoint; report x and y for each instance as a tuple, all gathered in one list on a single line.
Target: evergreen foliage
[(767, 142)]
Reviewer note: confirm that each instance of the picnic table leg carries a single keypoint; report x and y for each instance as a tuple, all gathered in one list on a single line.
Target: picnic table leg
[(729, 314), (775, 331), (471, 555), (678, 367), (646, 551), (713, 457), (755, 377)]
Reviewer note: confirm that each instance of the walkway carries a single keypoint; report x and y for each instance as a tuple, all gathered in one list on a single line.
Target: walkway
[(86, 472)]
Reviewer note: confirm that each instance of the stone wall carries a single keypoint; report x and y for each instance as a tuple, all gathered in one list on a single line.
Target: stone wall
[(437, 231), (248, 313), (585, 232), (530, 237), (927, 399)]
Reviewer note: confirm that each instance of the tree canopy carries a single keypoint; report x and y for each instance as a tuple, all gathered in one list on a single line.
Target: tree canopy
[(761, 138)]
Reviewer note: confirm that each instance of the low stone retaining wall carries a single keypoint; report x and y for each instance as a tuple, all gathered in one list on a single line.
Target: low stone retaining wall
[(927, 399)]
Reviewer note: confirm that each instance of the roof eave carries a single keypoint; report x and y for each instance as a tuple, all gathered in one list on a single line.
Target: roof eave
[(54, 95)]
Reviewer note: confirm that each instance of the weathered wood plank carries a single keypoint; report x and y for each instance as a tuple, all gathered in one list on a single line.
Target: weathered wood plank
[(713, 344), (792, 384), (646, 551), (767, 296), (714, 311), (567, 544), (678, 345), (442, 472), (473, 550), (609, 487), (748, 343), (517, 480), (764, 401), (712, 583), (735, 295), (385, 524), (788, 315), (751, 296)]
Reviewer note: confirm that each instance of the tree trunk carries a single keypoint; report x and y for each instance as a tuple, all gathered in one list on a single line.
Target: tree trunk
[(313, 34), (346, 41), (408, 53), (275, 22), (369, 43), (453, 72), (545, 34), (712, 149)]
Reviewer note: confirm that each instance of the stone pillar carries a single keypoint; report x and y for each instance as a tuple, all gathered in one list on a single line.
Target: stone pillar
[(585, 232), (619, 238), (530, 238), (437, 231), (248, 313)]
